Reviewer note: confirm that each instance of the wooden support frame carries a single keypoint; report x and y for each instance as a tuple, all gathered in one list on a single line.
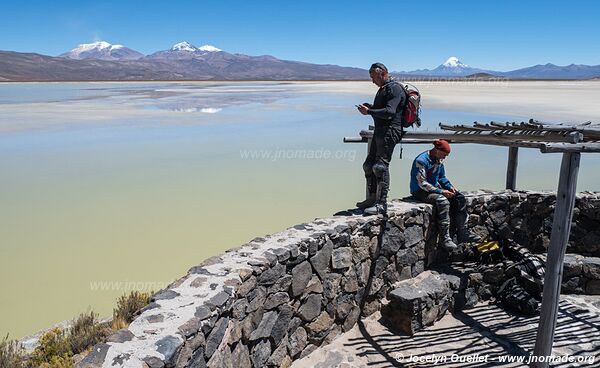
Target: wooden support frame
[(561, 228), (511, 168), (569, 139)]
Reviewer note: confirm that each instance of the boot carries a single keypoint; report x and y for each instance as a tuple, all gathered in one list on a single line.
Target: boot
[(465, 236), (445, 239), (377, 209), (369, 202), (380, 199)]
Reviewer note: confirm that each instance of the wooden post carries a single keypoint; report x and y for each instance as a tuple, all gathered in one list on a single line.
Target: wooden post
[(511, 169), (561, 228), (369, 142)]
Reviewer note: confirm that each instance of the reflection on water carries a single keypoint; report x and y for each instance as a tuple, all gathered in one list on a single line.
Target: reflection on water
[(108, 185)]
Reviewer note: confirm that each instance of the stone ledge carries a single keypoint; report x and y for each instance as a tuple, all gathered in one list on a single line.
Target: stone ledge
[(279, 297)]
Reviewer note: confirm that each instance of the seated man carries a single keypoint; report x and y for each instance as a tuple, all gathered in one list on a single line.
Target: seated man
[(428, 183)]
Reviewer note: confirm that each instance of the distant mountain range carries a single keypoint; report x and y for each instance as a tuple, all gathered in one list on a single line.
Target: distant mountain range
[(455, 68), (183, 61)]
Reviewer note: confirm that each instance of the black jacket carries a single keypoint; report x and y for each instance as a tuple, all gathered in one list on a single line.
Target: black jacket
[(387, 106)]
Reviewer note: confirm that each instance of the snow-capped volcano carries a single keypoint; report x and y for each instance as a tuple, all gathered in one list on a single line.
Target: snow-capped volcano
[(102, 50), (452, 67), (453, 62), (184, 46), (209, 48), (185, 50)]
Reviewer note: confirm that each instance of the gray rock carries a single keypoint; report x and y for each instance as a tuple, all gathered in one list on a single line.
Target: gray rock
[(197, 360), (282, 323), (257, 299), (235, 332), (168, 347), (221, 359), (573, 265), (120, 359), (282, 254), (341, 258), (260, 353), (591, 268), (218, 300), (345, 303), (308, 350), (406, 257), (191, 327), (297, 342), (301, 275), (351, 319), (362, 272), (270, 276), (153, 362), (241, 356), (314, 286), (380, 266), (311, 307), (593, 287), (573, 285), (405, 273), (331, 285), (271, 258), (165, 294), (393, 239), (283, 284), (202, 312), (493, 275), (279, 354), (121, 336), (350, 281), (276, 299), (320, 261), (264, 328), (215, 337), (96, 357), (320, 325), (418, 268), (412, 235), (238, 309), (360, 248), (246, 287), (418, 302)]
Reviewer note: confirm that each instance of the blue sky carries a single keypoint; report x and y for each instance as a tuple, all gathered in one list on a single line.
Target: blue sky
[(497, 35)]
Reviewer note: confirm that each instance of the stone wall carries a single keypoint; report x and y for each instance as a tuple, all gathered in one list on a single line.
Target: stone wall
[(528, 216), (278, 298)]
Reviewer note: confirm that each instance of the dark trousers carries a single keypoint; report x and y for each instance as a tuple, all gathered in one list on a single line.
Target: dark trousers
[(455, 207), (376, 165)]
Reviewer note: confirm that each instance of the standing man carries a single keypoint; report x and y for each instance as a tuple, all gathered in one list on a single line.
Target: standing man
[(428, 183), (386, 111)]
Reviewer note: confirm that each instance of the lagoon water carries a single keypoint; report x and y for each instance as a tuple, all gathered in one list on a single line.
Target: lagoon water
[(110, 187)]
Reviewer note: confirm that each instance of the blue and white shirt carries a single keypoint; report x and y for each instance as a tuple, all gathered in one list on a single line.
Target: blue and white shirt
[(428, 174)]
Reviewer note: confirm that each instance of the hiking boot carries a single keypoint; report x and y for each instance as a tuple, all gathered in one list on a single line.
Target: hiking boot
[(369, 202), (447, 243), (465, 236), (378, 209)]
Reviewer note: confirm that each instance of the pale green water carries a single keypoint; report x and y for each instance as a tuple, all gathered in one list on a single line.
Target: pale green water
[(106, 187)]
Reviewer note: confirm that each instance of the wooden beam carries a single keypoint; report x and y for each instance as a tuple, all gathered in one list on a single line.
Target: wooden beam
[(571, 147), (511, 169), (484, 136), (561, 228), (355, 140)]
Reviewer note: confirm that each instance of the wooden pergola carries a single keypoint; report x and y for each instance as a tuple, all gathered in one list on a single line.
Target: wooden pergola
[(569, 139)]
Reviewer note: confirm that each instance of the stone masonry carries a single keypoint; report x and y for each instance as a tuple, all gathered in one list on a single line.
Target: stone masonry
[(279, 297)]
